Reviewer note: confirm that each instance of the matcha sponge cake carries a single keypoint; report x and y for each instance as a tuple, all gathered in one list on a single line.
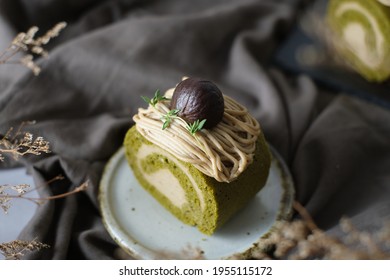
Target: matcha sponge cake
[(199, 153)]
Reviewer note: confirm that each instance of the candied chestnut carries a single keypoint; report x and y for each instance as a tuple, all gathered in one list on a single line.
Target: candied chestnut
[(198, 99)]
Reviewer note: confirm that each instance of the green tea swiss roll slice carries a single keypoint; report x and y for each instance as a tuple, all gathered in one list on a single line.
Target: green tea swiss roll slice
[(362, 35), (194, 198), (202, 174)]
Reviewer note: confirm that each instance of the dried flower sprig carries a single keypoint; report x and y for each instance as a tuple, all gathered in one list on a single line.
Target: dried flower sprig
[(5, 199), (16, 249), (22, 143), (156, 98), (19, 146), (9, 192), (25, 42)]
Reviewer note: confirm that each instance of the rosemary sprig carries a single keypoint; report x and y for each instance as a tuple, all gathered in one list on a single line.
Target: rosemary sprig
[(196, 126), (167, 118), (156, 98)]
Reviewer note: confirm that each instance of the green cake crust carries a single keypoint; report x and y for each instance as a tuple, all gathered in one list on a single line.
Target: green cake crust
[(208, 203)]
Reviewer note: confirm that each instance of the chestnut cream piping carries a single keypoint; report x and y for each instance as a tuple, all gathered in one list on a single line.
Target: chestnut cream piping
[(222, 152)]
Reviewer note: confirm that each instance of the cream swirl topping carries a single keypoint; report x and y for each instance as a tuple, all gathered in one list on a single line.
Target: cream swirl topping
[(222, 152)]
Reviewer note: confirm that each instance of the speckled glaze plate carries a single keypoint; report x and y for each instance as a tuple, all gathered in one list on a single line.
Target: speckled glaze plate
[(145, 230)]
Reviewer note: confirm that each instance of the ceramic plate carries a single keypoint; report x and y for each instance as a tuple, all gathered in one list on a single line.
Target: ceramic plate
[(145, 230)]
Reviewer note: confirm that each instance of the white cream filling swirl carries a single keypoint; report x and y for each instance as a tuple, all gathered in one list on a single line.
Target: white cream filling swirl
[(355, 35), (222, 152)]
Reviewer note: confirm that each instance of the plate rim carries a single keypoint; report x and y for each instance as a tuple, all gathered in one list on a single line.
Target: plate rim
[(284, 212)]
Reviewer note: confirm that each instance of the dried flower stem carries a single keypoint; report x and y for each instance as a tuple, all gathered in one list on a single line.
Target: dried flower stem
[(16, 249), (80, 188), (5, 198), (21, 144), (56, 178), (305, 216), (25, 42)]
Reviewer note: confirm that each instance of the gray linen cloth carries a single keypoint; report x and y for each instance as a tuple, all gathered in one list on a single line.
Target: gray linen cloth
[(112, 52)]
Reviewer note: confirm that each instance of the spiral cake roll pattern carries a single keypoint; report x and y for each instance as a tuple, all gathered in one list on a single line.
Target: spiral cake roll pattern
[(193, 197), (362, 35)]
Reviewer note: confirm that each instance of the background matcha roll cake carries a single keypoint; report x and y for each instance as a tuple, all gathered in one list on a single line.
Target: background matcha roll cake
[(199, 153), (361, 31)]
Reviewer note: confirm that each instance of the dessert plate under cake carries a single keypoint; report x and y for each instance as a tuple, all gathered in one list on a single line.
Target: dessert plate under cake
[(146, 230)]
